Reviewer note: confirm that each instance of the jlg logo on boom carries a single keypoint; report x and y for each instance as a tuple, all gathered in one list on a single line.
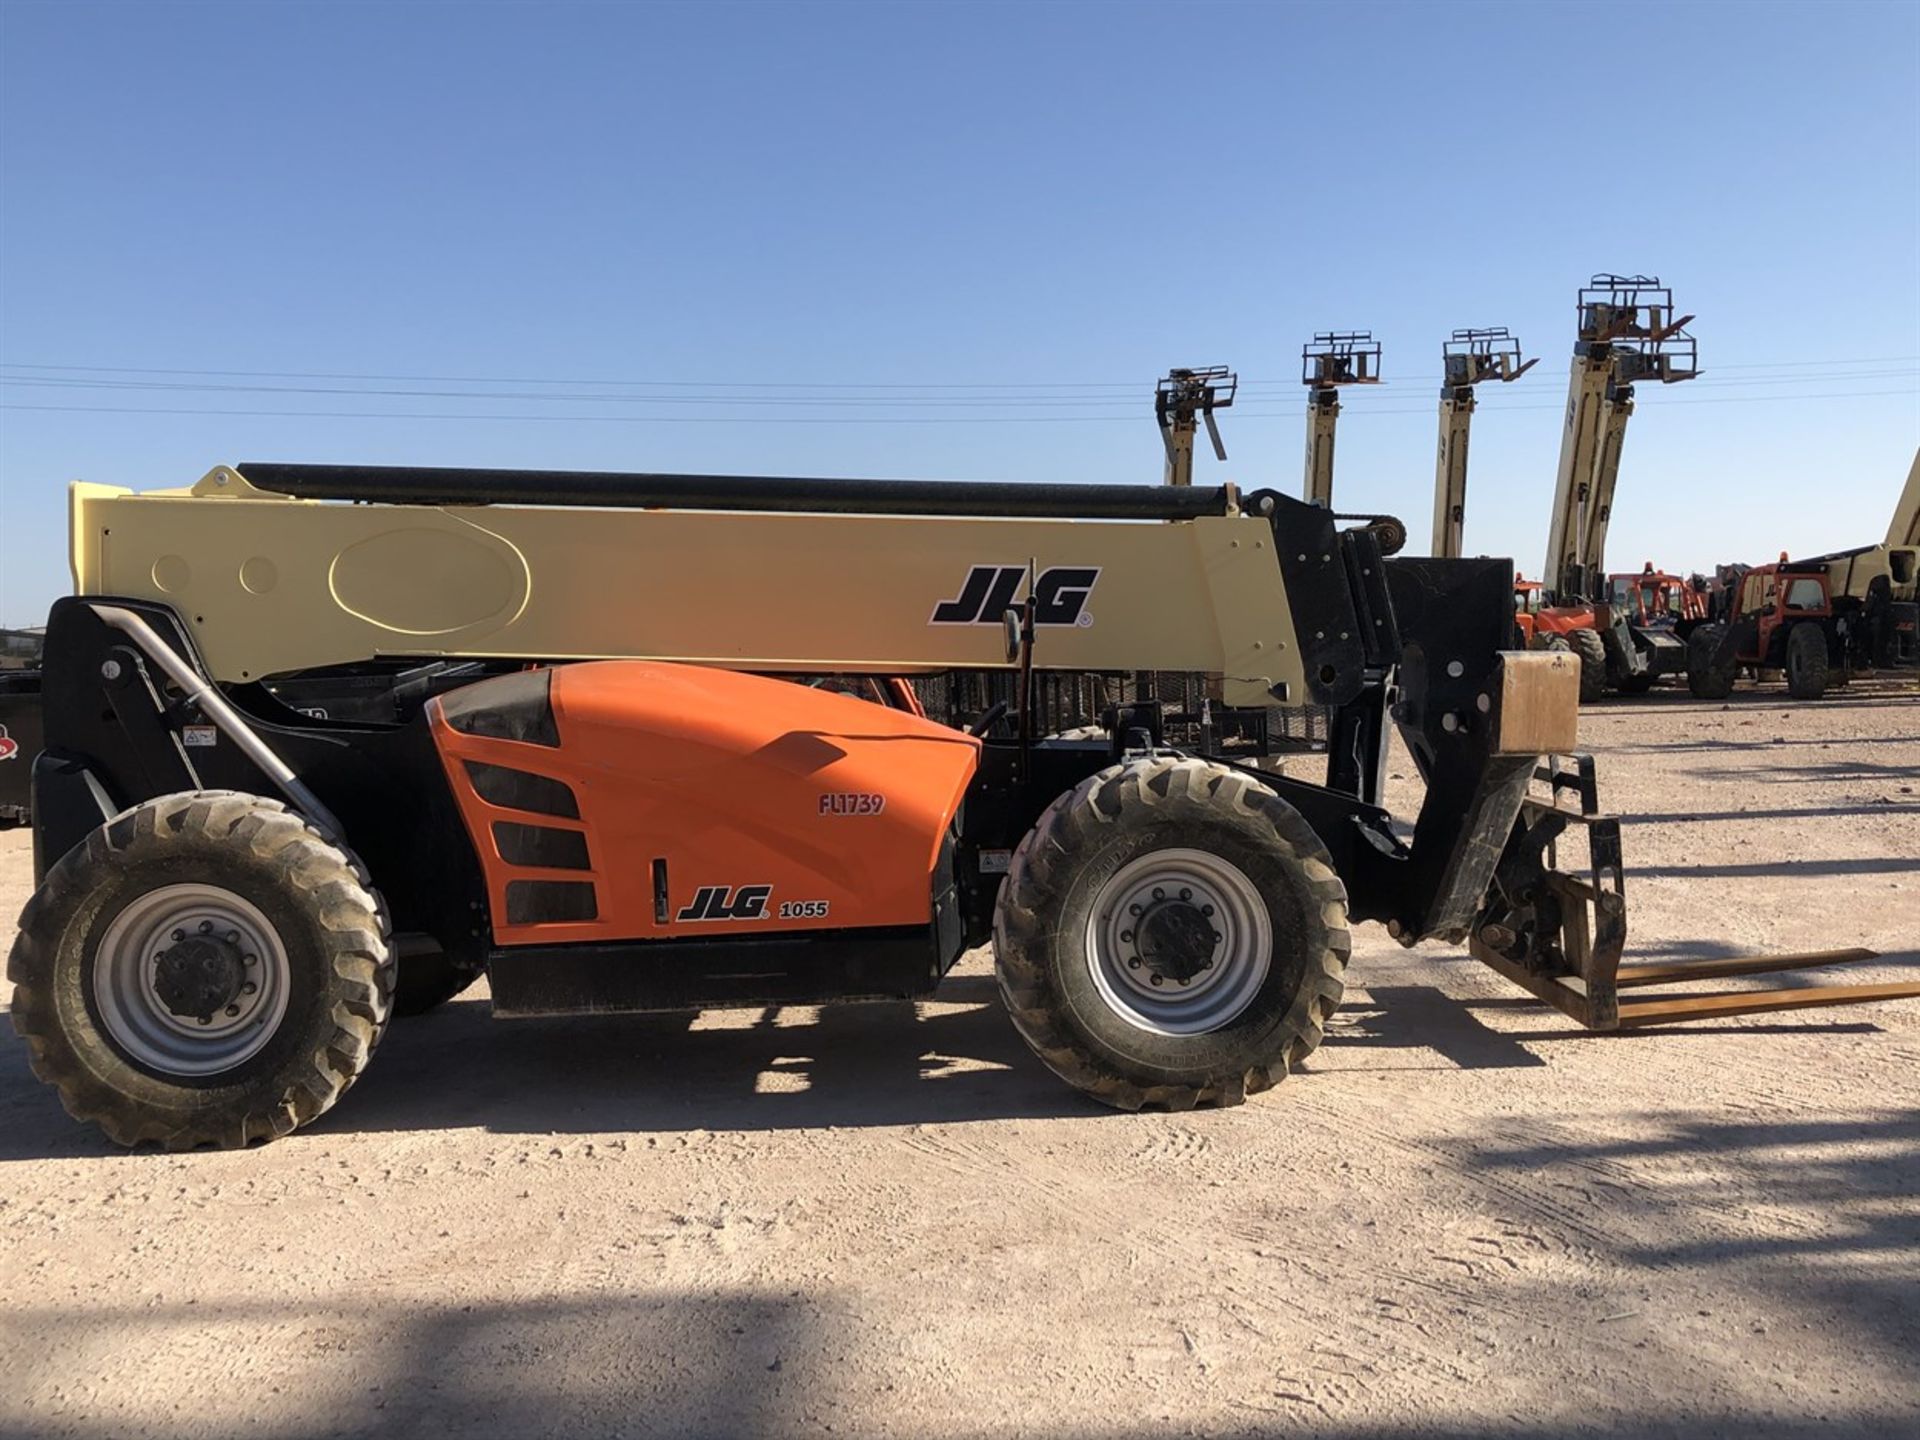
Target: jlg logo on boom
[(1060, 595)]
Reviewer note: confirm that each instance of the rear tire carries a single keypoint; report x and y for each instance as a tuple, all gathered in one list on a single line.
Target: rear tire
[(205, 969), (1592, 651), (1806, 661), (1243, 920), (1705, 679)]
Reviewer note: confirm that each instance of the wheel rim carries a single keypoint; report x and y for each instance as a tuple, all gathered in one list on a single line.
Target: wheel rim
[(1194, 920), (191, 980)]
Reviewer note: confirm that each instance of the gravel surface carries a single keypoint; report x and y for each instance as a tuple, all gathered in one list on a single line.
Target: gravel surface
[(1464, 1218)]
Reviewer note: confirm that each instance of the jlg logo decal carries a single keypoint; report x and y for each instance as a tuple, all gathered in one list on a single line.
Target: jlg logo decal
[(1059, 595), (724, 902)]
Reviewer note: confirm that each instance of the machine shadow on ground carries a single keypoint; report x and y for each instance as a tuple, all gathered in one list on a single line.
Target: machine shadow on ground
[(1830, 772), (1419, 1027), (1808, 812), (1668, 700), (955, 1061), (736, 1364), (1712, 747), (1797, 865), (778, 1068)]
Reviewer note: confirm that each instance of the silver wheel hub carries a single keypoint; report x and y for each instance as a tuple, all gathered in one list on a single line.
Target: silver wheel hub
[(191, 980), (1179, 942)]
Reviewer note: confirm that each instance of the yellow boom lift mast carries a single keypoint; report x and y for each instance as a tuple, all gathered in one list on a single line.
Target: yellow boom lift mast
[(1628, 333), (1904, 528), (1333, 358), (1470, 357), (1183, 400)]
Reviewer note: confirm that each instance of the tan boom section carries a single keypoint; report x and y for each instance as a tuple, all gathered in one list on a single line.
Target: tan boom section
[(271, 584)]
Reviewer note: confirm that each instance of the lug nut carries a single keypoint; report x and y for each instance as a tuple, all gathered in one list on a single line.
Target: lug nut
[(1207, 910), (1133, 962), (233, 1010), (233, 937), (179, 935), (1156, 978), (1133, 910), (250, 987), (1158, 893), (1185, 893), (206, 1019), (1216, 936), (206, 927), (249, 959)]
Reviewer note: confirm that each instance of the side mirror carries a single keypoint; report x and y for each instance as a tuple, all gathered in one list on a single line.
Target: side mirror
[(1010, 623)]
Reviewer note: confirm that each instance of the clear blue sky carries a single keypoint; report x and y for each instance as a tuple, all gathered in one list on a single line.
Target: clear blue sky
[(1015, 197)]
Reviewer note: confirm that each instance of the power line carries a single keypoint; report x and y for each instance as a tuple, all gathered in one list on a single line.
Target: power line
[(815, 402), (842, 420), (584, 419), (1128, 386)]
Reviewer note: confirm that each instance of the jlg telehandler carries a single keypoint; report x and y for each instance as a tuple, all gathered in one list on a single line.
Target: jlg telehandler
[(306, 760), (1822, 619)]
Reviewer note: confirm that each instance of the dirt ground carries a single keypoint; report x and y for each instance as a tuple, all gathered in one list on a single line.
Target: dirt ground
[(1464, 1218)]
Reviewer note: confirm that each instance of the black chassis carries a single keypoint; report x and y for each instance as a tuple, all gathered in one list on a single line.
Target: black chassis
[(1643, 650), (1406, 642)]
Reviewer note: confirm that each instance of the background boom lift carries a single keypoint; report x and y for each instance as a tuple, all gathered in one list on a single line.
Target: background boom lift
[(1333, 358), (1179, 402), (1904, 528), (1470, 357), (1628, 333)]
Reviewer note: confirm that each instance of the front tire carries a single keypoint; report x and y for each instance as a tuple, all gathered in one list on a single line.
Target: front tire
[(205, 969), (1707, 680), (1592, 651), (1806, 662), (1186, 871)]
